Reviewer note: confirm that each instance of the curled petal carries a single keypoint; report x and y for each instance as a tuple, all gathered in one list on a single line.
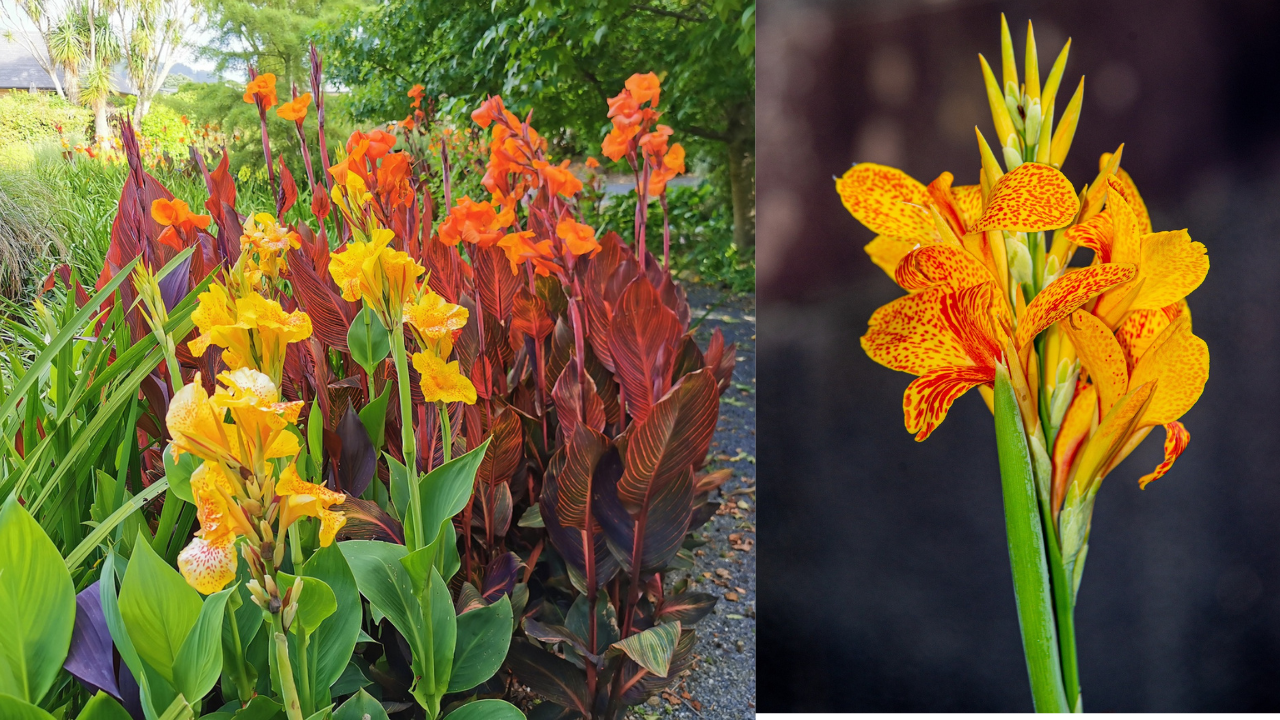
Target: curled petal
[(1081, 417), (1176, 439), (1130, 193), (207, 566), (912, 334), (929, 397), (887, 200), (1032, 198), (886, 252), (1094, 234), (1172, 266), (1064, 295), (944, 265)]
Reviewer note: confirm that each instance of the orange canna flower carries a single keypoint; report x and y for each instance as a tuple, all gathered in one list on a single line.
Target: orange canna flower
[(415, 92), (558, 179), (408, 123), (617, 143), (262, 89), (295, 109), (442, 381), (491, 109), (579, 238), (475, 222), (672, 164), (520, 248), (176, 213), (654, 142), (645, 88), (592, 163), (624, 110)]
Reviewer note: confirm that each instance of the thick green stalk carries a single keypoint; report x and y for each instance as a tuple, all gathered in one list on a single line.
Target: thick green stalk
[(1027, 553), (446, 433), (406, 436), (304, 672), (292, 706)]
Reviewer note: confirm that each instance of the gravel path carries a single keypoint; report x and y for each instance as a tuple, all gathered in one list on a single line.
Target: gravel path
[(722, 683)]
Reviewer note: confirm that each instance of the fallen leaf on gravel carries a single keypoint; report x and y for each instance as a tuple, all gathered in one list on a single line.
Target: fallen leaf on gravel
[(744, 592), (731, 596), (705, 574), (722, 572)]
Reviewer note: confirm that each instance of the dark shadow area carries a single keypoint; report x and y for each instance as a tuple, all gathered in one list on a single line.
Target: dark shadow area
[(884, 578)]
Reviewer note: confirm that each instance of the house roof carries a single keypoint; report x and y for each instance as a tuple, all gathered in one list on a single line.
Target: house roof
[(19, 70)]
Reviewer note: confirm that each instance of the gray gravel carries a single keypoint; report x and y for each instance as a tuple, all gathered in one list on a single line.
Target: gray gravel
[(722, 682)]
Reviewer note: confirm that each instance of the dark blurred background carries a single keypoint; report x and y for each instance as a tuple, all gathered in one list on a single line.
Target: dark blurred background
[(884, 581)]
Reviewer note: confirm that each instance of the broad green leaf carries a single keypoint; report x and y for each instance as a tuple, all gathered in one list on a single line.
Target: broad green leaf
[(158, 607), (653, 648), (179, 709), (37, 606), (484, 634), (199, 661), (487, 710), (335, 639), (316, 602), (368, 340), (351, 680), (374, 418), (261, 708), (444, 631), (361, 706), (399, 489), (11, 708), (446, 490), (103, 707), (387, 585), (315, 436), (179, 473)]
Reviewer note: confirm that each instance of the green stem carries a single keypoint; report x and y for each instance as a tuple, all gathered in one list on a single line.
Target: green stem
[(304, 692), (1027, 554), (295, 547), (292, 707), (446, 433), (406, 436), (244, 689)]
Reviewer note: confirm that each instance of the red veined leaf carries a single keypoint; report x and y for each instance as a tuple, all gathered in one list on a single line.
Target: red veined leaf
[(358, 458), (673, 297), (550, 676), (367, 521), (564, 500), (330, 315), (720, 359), (686, 608), (500, 577), (561, 348), (503, 506), (688, 358), (567, 396), (642, 338), (503, 456), (493, 279), (595, 273), (287, 193), (638, 684), (529, 315)]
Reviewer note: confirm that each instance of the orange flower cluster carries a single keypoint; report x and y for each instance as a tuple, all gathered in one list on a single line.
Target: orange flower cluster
[(263, 89), (479, 223), (180, 223), (634, 131), (296, 109)]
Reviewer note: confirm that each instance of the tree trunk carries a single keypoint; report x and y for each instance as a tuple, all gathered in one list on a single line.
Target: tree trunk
[(72, 85), (742, 185), (101, 129)]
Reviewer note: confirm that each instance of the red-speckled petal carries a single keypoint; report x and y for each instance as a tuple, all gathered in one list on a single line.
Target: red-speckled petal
[(969, 201), (1032, 198), (1064, 295), (207, 567), (1094, 234), (1131, 194), (944, 265), (1101, 355), (1179, 361), (1176, 439), (930, 396), (887, 200), (1137, 332)]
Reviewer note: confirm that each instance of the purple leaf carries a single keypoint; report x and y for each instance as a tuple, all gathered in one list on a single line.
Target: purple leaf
[(176, 285), (500, 577), (90, 657), (358, 460)]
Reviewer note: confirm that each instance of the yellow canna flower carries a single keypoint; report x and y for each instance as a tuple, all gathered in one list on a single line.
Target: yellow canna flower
[(257, 434), (374, 272), (435, 321), (264, 247), (253, 331), (300, 498), (441, 381), (208, 566)]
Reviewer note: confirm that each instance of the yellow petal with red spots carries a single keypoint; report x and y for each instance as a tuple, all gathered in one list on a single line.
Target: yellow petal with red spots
[(1064, 295), (969, 202), (887, 200), (1101, 355), (886, 252), (207, 566), (945, 265), (934, 329), (1139, 329), (1095, 234), (1081, 417), (1131, 195), (1176, 439), (929, 397), (1180, 362), (1172, 265), (1126, 238), (1111, 435), (1032, 198)]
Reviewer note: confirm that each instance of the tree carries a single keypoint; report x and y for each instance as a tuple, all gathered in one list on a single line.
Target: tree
[(564, 59), (270, 35), (152, 30), (44, 16)]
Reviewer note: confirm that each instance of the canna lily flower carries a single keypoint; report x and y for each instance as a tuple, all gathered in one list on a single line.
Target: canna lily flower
[(644, 88), (262, 89), (300, 499), (415, 92), (270, 243), (180, 223), (436, 322), (520, 248), (382, 277), (578, 238), (208, 562), (478, 223), (617, 143), (592, 163), (252, 330), (296, 109), (259, 433), (442, 381), (374, 144), (558, 179), (670, 165)]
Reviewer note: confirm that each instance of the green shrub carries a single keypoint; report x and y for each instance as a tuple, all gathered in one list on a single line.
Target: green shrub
[(34, 117)]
